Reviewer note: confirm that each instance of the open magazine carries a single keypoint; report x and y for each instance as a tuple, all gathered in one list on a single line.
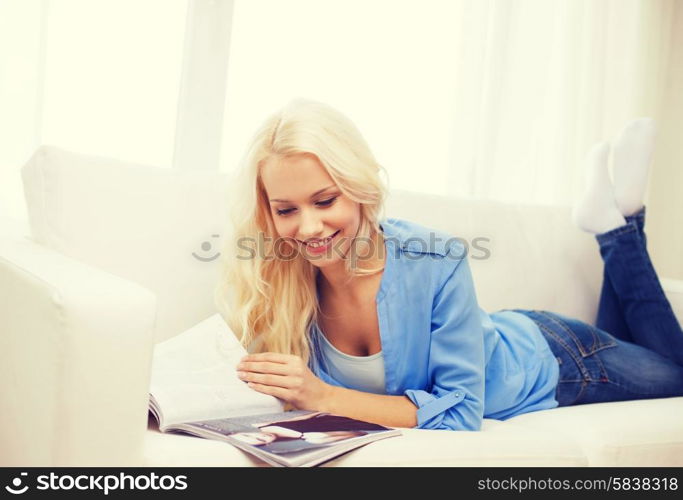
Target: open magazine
[(195, 390)]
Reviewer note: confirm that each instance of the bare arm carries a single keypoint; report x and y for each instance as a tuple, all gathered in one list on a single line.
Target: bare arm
[(287, 377), (391, 411)]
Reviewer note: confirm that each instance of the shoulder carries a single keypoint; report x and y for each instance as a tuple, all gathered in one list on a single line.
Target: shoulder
[(413, 238)]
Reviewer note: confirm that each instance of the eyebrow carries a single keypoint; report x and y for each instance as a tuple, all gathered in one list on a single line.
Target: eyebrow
[(312, 196)]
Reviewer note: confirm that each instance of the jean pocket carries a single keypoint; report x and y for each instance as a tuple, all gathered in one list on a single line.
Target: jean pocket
[(586, 338)]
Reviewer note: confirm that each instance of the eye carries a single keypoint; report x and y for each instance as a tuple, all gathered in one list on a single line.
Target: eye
[(284, 212), (324, 203), (327, 203)]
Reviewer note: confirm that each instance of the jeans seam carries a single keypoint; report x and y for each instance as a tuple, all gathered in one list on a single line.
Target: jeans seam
[(582, 390), (567, 348), (584, 386), (614, 233), (597, 344), (578, 360), (566, 329), (638, 216), (604, 376)]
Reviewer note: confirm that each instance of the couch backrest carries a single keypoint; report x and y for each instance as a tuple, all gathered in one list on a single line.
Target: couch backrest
[(147, 224), (522, 256), (162, 228)]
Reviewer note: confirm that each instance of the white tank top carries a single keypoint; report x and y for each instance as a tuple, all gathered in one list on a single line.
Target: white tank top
[(363, 373)]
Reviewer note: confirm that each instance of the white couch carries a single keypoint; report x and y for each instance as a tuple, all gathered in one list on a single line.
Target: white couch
[(120, 256)]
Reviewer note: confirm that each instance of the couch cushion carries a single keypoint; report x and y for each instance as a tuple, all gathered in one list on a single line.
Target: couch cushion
[(644, 433), (497, 444), (149, 225)]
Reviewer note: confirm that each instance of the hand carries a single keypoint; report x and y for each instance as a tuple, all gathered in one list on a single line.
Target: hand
[(284, 376)]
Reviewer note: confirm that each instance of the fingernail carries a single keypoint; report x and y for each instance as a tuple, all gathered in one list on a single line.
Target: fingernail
[(240, 374)]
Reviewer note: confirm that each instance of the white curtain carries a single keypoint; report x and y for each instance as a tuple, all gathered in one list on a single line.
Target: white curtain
[(494, 99), (486, 98), (544, 80), (95, 76)]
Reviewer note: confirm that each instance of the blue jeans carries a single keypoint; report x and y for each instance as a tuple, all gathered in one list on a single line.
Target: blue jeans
[(642, 355)]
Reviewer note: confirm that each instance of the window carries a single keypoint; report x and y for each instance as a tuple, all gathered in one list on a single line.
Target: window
[(386, 64)]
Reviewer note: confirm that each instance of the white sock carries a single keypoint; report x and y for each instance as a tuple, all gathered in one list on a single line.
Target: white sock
[(597, 211), (631, 163)]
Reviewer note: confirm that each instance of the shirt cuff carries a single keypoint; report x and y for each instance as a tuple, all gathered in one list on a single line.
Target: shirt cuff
[(431, 408)]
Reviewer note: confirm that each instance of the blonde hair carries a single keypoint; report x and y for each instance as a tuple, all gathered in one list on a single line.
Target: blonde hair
[(270, 303)]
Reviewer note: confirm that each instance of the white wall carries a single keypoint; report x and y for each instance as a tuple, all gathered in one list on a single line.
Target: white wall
[(21, 24), (665, 201)]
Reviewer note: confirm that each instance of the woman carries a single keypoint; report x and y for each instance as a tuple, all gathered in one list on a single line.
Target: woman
[(347, 312)]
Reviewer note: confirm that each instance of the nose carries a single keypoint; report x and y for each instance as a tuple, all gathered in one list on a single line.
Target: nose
[(311, 225)]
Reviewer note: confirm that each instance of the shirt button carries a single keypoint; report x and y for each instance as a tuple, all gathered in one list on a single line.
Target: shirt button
[(458, 394)]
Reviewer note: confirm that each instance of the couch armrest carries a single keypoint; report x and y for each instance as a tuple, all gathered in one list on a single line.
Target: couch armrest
[(75, 354), (674, 292)]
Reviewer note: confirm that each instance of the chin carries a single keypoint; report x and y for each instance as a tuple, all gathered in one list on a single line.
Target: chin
[(322, 263)]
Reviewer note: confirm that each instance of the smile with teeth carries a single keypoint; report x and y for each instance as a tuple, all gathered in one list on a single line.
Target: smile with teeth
[(321, 243)]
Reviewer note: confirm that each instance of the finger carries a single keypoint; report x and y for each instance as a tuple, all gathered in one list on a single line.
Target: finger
[(266, 367), (278, 392), (273, 357), (266, 379)]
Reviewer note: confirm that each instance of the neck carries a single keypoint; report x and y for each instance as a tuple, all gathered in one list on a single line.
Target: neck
[(335, 281)]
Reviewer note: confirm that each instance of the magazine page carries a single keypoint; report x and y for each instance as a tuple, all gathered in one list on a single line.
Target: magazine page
[(194, 377), (294, 438)]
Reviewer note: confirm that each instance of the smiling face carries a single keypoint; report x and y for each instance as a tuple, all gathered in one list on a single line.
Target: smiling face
[(309, 210)]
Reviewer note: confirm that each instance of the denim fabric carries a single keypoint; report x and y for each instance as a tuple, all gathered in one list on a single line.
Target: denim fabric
[(610, 317), (635, 351)]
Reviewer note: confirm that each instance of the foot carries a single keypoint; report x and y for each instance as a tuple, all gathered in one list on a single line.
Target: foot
[(597, 211), (631, 163)]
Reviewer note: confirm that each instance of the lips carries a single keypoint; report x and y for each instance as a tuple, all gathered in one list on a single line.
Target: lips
[(321, 243)]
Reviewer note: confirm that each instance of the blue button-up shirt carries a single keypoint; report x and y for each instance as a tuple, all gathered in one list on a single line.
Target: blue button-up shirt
[(454, 361)]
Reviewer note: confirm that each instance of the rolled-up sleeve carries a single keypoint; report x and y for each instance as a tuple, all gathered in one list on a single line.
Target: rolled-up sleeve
[(456, 373)]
